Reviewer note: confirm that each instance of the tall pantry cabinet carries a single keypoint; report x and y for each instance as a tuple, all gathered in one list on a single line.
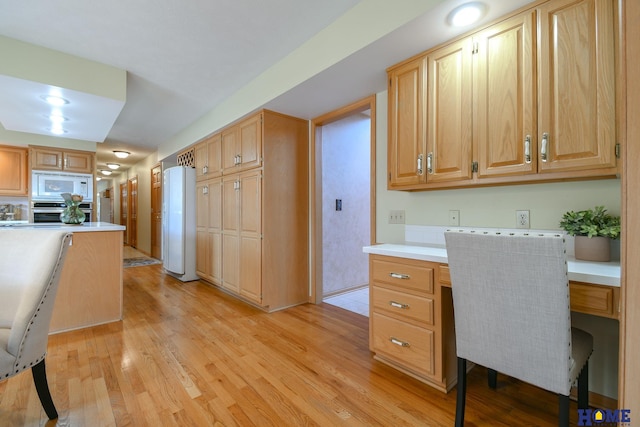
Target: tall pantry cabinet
[(253, 212)]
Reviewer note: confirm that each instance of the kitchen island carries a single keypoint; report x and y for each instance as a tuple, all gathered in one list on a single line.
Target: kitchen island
[(90, 290)]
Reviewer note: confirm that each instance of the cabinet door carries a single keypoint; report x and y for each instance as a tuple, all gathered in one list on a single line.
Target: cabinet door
[(208, 158), (214, 213), (407, 143), (77, 162), (230, 232), (505, 104), (13, 171), (449, 112), (577, 85), (45, 159), (201, 160), (230, 150), (250, 144), (251, 235), (202, 230)]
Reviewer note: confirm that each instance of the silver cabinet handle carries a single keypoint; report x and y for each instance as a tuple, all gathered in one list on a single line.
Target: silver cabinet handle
[(527, 149), (399, 276), (205, 170), (420, 164), (401, 343), (544, 149), (430, 163), (205, 189), (399, 305)]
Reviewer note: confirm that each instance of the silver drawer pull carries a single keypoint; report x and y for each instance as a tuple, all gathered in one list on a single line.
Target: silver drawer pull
[(396, 341), (399, 276), (398, 305)]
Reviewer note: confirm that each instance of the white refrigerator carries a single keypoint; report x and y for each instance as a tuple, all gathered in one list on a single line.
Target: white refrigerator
[(179, 223)]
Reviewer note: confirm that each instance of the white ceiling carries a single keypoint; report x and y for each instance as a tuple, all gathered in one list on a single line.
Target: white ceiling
[(183, 58)]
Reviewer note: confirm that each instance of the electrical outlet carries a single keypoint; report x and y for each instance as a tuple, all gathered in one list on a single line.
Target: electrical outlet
[(396, 217), (522, 219), (454, 218)]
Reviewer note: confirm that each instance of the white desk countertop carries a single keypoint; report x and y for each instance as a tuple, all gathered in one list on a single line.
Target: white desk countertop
[(599, 273)]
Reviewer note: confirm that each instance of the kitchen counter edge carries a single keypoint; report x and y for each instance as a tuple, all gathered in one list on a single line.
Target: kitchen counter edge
[(76, 228)]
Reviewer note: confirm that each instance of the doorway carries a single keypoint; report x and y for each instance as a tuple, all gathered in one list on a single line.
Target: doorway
[(124, 210), (343, 201)]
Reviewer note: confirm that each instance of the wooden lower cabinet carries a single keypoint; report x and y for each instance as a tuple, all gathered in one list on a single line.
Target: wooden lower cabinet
[(252, 225), (411, 320)]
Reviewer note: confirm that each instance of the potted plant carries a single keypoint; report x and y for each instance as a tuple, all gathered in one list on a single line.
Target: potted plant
[(593, 229)]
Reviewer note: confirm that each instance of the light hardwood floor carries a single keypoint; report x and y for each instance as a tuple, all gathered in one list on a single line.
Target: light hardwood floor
[(190, 355)]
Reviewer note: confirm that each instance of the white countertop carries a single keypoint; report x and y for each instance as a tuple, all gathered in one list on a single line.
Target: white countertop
[(76, 228), (600, 273)]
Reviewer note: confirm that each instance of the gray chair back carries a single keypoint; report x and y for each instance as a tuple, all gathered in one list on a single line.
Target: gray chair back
[(511, 303), (30, 270)]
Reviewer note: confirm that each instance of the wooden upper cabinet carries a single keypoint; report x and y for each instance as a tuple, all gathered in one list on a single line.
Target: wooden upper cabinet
[(43, 158), (449, 112), (208, 157), (505, 125), (407, 141), (242, 145), (577, 122), (13, 171)]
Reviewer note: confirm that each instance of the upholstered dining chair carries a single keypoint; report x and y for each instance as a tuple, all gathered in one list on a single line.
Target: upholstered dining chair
[(512, 314), (30, 269)]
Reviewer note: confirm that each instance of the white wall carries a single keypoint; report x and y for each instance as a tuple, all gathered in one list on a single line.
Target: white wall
[(345, 176)]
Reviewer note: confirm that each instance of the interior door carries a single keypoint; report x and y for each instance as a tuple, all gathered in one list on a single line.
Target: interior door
[(133, 211), (124, 210), (156, 212)]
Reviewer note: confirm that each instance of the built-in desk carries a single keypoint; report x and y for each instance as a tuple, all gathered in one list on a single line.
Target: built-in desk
[(411, 324)]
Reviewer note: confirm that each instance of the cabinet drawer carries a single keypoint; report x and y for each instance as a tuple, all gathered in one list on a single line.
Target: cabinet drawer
[(406, 275), (445, 275), (405, 344), (409, 306), (592, 299)]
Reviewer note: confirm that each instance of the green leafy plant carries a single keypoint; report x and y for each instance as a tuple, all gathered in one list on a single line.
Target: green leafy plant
[(591, 223)]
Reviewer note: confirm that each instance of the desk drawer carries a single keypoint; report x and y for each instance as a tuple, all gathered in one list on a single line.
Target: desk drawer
[(403, 304), (405, 344), (406, 274), (594, 299)]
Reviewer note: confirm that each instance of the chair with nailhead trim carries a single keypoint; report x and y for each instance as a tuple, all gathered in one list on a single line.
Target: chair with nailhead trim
[(512, 313), (30, 268)]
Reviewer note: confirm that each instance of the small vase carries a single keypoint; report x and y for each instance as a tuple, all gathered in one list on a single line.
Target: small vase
[(72, 214), (592, 249)]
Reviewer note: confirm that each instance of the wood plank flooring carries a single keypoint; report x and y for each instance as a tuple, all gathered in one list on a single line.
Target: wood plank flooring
[(190, 355)]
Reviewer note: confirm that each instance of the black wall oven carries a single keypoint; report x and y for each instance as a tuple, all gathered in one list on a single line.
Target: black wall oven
[(50, 211)]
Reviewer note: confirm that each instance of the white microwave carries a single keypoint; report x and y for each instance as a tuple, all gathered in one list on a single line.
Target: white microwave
[(50, 185)]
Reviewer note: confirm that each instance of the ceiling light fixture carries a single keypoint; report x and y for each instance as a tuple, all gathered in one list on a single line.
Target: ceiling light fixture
[(113, 165), (57, 101), (121, 154), (56, 129), (105, 172), (466, 14)]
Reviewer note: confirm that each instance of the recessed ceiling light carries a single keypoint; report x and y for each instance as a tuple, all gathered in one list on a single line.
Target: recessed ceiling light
[(121, 154), (113, 165), (466, 14), (57, 130), (57, 101), (56, 118), (105, 172)]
